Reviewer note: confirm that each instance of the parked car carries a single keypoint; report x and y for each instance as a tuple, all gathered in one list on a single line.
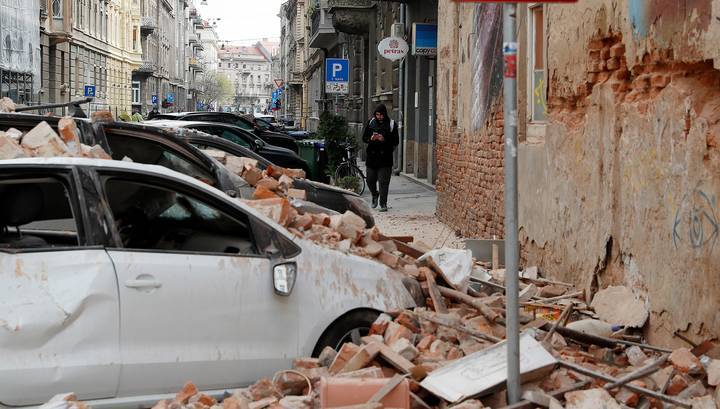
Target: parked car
[(323, 194), (169, 148), (278, 155), (128, 279), (245, 122)]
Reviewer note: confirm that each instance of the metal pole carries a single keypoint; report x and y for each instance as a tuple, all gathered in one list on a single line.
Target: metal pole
[(511, 206)]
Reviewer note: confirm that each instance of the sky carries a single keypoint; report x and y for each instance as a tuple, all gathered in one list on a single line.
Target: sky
[(243, 21)]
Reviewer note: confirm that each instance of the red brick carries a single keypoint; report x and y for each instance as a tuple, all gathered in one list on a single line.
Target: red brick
[(188, 390)]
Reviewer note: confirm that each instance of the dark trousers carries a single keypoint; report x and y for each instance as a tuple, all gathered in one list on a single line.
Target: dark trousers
[(382, 175)]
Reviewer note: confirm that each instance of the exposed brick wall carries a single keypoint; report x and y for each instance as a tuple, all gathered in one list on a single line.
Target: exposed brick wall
[(470, 177)]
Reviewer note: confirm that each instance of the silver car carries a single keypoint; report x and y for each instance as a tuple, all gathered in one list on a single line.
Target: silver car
[(120, 282)]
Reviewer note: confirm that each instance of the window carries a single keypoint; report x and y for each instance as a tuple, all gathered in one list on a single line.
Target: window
[(150, 152), (36, 214), (57, 8), (136, 92), (536, 61), (150, 217)]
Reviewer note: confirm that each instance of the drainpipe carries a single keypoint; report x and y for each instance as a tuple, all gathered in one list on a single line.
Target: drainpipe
[(400, 166)]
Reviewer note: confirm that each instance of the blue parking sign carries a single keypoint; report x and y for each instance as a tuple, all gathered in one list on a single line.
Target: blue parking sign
[(171, 98), (154, 99), (337, 75), (89, 90)]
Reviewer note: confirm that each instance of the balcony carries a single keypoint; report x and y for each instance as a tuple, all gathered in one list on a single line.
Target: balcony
[(194, 63), (147, 68), (322, 31), (198, 22), (296, 78), (352, 16), (147, 25)]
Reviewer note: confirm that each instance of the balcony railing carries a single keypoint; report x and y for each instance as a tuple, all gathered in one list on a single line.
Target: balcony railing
[(147, 25), (147, 67), (322, 31)]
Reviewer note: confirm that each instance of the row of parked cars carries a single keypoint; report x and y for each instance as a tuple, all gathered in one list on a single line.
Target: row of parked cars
[(120, 280)]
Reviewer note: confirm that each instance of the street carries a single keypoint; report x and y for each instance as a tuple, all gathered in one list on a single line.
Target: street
[(182, 224)]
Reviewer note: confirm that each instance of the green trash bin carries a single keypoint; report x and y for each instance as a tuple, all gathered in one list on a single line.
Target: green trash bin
[(313, 152)]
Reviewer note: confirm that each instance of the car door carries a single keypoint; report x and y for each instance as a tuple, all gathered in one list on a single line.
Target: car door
[(196, 292), (228, 134), (59, 308)]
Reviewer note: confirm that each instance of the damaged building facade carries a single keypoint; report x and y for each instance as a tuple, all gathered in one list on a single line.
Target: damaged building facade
[(618, 156)]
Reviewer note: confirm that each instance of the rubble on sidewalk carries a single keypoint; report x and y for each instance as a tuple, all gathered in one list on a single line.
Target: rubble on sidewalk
[(425, 358)]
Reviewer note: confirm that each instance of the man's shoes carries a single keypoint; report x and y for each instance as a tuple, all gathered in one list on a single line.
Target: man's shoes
[(375, 201), (383, 208)]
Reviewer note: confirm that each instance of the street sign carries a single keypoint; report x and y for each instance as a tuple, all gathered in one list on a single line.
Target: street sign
[(337, 75), (279, 83), (424, 39), (154, 99), (171, 98), (393, 48), (89, 90)]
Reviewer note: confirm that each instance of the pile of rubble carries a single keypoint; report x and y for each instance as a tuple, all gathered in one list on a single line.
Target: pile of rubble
[(43, 141), (452, 353)]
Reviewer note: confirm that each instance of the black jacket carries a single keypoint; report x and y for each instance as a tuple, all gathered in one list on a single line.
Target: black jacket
[(380, 153)]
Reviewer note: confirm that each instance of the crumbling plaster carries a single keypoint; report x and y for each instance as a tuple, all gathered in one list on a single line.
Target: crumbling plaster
[(625, 188)]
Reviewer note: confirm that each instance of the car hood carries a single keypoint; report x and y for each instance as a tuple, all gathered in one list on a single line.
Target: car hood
[(278, 150), (329, 188)]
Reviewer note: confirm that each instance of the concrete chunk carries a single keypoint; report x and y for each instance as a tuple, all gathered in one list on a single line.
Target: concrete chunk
[(44, 141), (9, 148), (619, 306), (590, 399)]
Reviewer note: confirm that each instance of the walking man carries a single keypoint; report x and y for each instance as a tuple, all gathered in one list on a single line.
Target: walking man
[(381, 137)]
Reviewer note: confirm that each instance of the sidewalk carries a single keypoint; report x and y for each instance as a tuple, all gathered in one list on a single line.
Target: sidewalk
[(412, 213)]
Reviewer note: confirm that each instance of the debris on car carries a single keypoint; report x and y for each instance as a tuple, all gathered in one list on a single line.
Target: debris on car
[(43, 141)]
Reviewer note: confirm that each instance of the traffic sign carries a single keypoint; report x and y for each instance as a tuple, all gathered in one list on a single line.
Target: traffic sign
[(154, 99), (171, 98), (89, 90), (337, 75), (279, 83)]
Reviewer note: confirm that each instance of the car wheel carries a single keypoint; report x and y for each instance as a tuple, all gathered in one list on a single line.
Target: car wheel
[(349, 328)]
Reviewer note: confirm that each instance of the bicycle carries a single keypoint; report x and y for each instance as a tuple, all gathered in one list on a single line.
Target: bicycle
[(349, 168)]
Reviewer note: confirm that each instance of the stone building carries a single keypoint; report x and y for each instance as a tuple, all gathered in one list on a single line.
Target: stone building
[(292, 59), (90, 43), (618, 154), (161, 80), (249, 68)]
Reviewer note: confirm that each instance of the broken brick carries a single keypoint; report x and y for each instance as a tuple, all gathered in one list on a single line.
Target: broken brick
[(425, 342), (277, 209), (43, 140), (347, 351), (263, 192), (7, 105), (684, 361), (405, 348), (188, 390), (713, 372), (321, 219), (327, 355), (302, 222), (408, 321), (617, 50), (677, 385), (396, 331), (297, 194), (264, 388), (389, 259), (380, 325), (349, 225), (10, 149), (590, 399), (269, 183), (373, 248)]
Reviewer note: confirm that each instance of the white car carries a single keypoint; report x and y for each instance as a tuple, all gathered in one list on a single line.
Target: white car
[(120, 282)]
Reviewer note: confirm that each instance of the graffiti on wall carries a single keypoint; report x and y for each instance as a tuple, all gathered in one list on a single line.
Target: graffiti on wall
[(696, 224), (487, 61)]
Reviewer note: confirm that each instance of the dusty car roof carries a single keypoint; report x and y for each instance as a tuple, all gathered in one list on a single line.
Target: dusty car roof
[(178, 123), (122, 165)]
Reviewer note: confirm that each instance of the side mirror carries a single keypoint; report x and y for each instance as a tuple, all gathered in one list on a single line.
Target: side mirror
[(284, 276)]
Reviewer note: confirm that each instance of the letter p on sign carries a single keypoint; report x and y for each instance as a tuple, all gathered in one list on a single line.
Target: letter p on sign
[(336, 68)]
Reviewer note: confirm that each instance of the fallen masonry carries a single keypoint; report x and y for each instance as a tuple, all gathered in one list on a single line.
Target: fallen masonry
[(450, 352)]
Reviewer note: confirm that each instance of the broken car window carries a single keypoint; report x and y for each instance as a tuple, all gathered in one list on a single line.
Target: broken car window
[(150, 152), (150, 217), (36, 213)]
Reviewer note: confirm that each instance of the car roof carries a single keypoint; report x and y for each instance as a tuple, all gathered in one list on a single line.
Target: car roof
[(177, 123), (138, 167)]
